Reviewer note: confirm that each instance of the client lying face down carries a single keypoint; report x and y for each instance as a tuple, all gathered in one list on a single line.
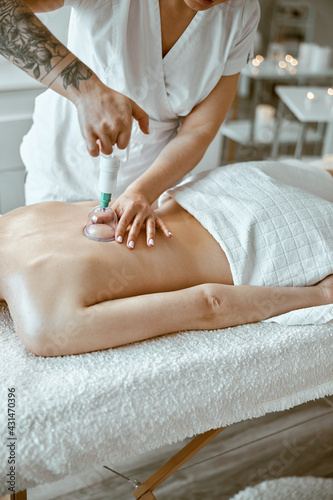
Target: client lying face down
[(68, 294)]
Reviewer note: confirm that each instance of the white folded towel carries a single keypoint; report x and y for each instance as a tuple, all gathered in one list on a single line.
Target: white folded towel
[(274, 221)]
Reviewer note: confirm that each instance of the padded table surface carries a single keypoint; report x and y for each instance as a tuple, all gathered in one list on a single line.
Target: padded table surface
[(73, 412)]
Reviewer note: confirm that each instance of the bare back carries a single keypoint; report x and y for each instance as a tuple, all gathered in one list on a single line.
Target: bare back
[(69, 295), (48, 264)]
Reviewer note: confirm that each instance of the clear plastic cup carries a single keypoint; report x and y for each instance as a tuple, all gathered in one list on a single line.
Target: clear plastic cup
[(101, 224)]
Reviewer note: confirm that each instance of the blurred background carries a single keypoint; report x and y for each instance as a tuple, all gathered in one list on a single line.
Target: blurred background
[(284, 105)]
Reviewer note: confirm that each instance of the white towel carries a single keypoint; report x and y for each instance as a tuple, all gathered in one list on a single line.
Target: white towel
[(75, 412), (274, 221), (289, 488)]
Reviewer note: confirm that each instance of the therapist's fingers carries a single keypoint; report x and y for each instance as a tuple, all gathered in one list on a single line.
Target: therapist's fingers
[(124, 138), (125, 220), (106, 143), (135, 230), (107, 115), (141, 116), (150, 231), (92, 146), (161, 225)]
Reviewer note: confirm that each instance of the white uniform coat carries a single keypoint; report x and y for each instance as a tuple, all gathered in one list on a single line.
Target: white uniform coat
[(120, 40)]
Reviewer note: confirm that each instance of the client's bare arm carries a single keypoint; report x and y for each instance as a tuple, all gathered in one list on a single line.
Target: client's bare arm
[(209, 306)]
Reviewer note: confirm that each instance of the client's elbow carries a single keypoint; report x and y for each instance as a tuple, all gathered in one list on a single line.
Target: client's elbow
[(32, 340), (45, 341), (213, 305)]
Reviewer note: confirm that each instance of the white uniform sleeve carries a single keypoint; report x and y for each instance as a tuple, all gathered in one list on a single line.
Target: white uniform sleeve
[(85, 4), (242, 50)]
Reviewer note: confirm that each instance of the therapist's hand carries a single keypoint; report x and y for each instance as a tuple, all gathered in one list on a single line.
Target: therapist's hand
[(106, 115), (133, 209)]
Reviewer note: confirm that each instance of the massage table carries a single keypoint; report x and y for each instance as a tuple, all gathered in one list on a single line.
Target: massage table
[(100, 408), (104, 407)]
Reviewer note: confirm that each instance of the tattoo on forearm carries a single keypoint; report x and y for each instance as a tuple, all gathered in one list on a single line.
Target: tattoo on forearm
[(75, 72), (32, 47)]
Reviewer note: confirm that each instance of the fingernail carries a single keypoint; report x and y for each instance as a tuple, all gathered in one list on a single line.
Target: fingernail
[(151, 242), (120, 239), (131, 244), (94, 219), (170, 234)]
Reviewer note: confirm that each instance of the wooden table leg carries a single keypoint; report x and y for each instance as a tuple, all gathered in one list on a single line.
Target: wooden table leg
[(148, 496), (172, 465), (21, 495)]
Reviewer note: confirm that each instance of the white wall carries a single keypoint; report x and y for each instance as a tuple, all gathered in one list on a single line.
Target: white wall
[(17, 94)]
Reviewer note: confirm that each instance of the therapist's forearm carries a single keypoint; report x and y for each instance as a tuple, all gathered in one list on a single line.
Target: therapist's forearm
[(177, 159), (26, 42), (186, 150)]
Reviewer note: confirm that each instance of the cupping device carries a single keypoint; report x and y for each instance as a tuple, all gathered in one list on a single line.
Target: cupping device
[(102, 220)]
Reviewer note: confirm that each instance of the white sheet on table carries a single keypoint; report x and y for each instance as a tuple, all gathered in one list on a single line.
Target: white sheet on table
[(74, 412)]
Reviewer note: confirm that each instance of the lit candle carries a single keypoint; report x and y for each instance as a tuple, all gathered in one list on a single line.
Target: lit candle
[(329, 96), (260, 59), (310, 98), (281, 68), (292, 63), (264, 122)]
